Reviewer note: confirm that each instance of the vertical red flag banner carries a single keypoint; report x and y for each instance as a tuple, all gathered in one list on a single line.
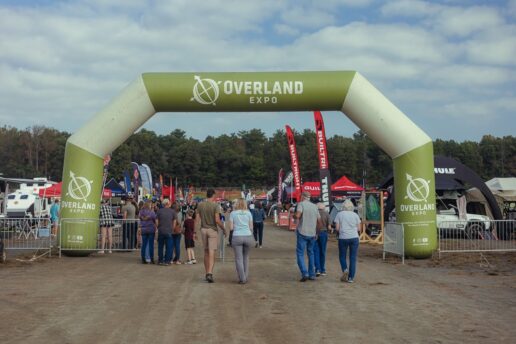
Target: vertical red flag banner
[(294, 162), (280, 184), (324, 166)]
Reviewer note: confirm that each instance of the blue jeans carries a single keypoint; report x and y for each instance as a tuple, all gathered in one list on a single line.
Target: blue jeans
[(129, 231), (165, 241), (352, 244), (258, 232), (320, 252), (148, 241), (176, 246), (305, 242)]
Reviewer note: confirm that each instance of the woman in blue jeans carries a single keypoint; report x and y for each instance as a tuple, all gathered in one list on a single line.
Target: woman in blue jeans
[(148, 228), (347, 223), (322, 241)]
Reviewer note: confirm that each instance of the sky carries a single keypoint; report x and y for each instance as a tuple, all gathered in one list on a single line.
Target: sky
[(450, 66)]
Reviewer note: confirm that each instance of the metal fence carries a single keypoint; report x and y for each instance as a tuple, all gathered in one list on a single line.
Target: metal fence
[(36, 235), (394, 240), (89, 235), (477, 236), (27, 234)]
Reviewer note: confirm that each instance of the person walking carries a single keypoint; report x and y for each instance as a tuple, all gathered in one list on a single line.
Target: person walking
[(106, 226), (129, 224), (166, 222), (258, 217), (240, 222), (347, 223), (208, 216), (322, 241), (148, 231), (308, 216), (189, 227), (176, 235)]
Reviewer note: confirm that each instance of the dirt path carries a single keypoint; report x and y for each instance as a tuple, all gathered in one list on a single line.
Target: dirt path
[(114, 299)]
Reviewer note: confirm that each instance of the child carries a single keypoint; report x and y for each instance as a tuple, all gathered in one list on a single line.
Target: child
[(189, 226)]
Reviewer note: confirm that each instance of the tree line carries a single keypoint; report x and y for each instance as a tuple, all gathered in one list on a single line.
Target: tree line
[(246, 157)]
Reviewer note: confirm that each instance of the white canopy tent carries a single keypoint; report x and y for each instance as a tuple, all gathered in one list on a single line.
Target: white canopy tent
[(504, 191)]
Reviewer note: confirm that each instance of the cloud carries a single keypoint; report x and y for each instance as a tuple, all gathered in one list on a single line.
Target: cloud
[(61, 62)]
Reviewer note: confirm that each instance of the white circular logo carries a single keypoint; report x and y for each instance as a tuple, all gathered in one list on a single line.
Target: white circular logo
[(79, 188), (205, 91), (418, 189)]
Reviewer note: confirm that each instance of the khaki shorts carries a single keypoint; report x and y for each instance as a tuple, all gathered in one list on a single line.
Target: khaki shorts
[(210, 238)]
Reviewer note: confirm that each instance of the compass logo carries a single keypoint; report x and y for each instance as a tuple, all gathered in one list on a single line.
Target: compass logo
[(418, 189), (79, 188), (205, 91)]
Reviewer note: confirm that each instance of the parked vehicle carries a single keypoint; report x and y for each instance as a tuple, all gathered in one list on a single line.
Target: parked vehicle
[(25, 202), (474, 226)]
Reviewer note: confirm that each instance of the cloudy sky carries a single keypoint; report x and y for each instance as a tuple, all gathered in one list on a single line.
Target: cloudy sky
[(449, 64)]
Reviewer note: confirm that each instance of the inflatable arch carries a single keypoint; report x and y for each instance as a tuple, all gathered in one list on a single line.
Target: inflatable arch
[(347, 91)]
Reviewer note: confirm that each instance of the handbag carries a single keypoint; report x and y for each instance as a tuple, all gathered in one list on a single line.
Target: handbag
[(177, 229)]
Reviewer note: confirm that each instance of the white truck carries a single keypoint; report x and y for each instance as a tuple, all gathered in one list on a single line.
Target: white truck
[(474, 226), (25, 202)]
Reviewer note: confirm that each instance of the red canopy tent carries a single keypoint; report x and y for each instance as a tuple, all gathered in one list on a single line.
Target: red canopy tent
[(168, 192), (51, 191), (56, 189), (346, 185), (341, 187)]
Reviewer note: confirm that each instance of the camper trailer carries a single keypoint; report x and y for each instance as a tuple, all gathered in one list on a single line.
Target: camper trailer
[(25, 202)]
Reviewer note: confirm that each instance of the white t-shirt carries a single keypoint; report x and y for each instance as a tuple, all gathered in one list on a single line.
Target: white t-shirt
[(241, 219), (348, 224)]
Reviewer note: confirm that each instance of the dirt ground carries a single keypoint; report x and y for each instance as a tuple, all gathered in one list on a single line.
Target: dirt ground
[(115, 299)]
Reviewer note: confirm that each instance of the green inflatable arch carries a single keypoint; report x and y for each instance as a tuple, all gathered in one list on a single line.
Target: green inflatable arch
[(347, 91)]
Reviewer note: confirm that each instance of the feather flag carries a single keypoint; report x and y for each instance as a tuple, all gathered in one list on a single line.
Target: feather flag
[(324, 166)]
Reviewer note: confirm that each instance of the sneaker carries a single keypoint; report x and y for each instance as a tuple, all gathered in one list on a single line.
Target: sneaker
[(303, 279), (178, 262), (161, 263), (344, 277), (256, 245), (311, 278), (350, 281), (242, 282), (101, 252), (194, 261), (110, 251), (209, 278), (317, 274), (167, 263), (323, 273), (260, 246), (189, 262)]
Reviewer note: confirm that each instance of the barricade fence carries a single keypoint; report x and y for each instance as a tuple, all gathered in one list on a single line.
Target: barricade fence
[(477, 236), (27, 233), (394, 240), (91, 235)]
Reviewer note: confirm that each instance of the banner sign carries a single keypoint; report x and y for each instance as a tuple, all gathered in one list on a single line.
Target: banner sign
[(324, 166), (294, 162)]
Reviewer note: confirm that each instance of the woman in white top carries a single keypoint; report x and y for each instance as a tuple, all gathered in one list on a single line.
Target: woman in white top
[(241, 224), (347, 223)]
